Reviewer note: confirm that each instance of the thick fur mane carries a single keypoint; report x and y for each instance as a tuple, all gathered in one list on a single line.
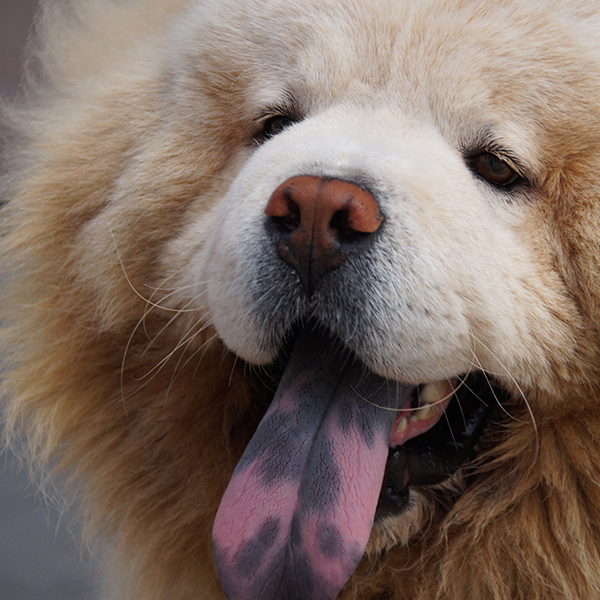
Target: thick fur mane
[(130, 395)]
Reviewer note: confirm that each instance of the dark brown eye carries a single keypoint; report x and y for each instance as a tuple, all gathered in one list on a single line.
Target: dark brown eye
[(494, 170), (275, 125)]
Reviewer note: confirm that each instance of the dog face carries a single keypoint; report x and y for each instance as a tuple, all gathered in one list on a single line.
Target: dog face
[(384, 213), (449, 282), (402, 200)]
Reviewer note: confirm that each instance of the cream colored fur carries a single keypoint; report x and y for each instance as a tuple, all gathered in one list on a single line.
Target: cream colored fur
[(131, 240)]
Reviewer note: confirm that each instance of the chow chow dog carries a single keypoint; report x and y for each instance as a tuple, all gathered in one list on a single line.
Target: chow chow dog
[(302, 299)]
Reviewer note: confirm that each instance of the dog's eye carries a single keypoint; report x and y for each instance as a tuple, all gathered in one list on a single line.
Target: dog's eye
[(494, 170), (275, 125)]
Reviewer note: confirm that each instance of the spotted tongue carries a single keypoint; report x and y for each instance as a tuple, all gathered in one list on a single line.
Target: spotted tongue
[(296, 517)]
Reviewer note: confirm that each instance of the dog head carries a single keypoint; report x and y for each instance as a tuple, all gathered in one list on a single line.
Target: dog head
[(399, 209), (386, 214)]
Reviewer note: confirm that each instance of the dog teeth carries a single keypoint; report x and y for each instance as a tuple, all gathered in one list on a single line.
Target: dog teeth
[(433, 392), (402, 426), (425, 413), (431, 403), (430, 396)]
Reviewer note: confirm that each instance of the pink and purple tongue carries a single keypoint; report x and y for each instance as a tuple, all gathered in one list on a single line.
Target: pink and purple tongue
[(296, 517)]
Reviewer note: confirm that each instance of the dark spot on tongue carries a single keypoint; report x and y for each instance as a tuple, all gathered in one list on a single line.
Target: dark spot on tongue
[(252, 553), (330, 541), (296, 517)]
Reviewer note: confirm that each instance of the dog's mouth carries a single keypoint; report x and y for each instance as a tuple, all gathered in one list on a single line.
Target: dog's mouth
[(338, 448), (430, 457)]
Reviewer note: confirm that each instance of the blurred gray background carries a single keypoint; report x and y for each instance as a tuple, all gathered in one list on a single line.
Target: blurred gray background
[(15, 20), (39, 559)]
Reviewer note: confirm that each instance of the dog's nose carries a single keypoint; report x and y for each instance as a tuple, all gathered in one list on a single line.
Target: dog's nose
[(316, 219)]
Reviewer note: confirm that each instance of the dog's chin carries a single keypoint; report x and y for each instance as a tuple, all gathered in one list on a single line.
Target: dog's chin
[(423, 507)]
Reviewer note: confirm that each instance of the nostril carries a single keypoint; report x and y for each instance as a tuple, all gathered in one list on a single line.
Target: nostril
[(284, 212), (339, 223), (340, 226), (290, 221)]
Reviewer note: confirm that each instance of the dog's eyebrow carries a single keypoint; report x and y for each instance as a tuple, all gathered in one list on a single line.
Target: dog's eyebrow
[(486, 139), (286, 105)]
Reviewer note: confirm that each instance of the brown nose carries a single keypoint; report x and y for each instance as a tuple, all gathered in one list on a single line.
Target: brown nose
[(316, 219)]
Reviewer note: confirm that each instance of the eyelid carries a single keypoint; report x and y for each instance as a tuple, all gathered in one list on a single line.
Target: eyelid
[(484, 144), (520, 180), (509, 159), (506, 158), (488, 141)]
